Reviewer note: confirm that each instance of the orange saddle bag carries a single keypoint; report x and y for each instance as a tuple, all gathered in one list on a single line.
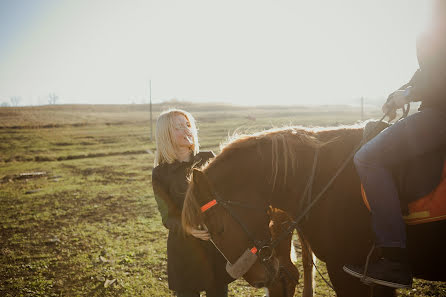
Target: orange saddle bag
[(429, 208)]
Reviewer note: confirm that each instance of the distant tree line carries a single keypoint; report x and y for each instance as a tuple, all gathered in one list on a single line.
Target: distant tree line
[(15, 100)]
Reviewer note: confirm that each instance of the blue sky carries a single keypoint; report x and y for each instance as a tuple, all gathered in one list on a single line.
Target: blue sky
[(248, 52)]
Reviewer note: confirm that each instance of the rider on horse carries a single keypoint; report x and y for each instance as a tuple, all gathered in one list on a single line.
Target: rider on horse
[(422, 132)]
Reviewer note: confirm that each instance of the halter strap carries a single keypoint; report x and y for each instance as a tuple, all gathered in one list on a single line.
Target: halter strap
[(208, 205)]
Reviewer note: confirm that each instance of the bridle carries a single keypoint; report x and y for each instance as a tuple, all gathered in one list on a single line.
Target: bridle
[(261, 249)]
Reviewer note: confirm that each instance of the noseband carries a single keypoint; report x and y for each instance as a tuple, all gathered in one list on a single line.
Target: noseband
[(260, 249)]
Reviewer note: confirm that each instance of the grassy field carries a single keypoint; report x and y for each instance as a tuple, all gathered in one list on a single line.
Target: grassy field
[(85, 223)]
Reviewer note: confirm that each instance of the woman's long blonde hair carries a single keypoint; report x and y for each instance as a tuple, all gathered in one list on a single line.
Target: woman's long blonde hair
[(165, 144)]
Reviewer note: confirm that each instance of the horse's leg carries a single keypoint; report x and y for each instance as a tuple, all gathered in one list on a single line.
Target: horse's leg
[(307, 263)]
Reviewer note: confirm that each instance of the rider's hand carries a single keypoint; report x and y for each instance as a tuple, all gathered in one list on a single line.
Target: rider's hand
[(389, 110), (395, 101), (200, 234), (400, 98)]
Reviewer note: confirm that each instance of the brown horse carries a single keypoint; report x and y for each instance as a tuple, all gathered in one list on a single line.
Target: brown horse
[(273, 168)]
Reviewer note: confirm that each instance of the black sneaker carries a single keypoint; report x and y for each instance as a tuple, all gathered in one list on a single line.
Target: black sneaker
[(383, 272)]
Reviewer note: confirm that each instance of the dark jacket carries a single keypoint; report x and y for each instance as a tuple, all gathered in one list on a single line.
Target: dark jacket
[(192, 264), (429, 81)]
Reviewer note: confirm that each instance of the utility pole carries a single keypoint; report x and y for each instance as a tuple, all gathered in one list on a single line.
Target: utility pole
[(362, 108), (150, 100)]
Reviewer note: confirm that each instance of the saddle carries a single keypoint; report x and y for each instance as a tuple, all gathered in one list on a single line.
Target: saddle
[(421, 184)]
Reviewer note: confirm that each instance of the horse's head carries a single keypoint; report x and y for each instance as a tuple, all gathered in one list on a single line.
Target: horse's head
[(238, 224)]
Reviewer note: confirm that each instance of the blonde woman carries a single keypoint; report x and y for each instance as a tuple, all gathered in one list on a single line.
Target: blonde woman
[(193, 263)]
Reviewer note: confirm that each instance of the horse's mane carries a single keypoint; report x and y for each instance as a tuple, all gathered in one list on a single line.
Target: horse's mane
[(284, 144)]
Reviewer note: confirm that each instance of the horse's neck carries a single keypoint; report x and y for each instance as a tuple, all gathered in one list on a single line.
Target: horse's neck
[(288, 194), (338, 220)]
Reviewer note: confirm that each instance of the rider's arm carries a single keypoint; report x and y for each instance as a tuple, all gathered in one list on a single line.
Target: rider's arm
[(429, 82), (411, 81)]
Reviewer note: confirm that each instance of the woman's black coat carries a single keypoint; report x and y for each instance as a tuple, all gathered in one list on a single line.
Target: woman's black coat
[(192, 264)]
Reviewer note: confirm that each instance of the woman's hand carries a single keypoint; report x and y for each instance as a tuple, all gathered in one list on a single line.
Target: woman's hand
[(200, 234)]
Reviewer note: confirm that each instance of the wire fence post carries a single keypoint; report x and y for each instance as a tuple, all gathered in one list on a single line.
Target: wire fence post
[(362, 108), (150, 104)]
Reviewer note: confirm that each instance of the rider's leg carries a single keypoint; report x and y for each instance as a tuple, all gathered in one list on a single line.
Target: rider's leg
[(416, 135), (420, 133)]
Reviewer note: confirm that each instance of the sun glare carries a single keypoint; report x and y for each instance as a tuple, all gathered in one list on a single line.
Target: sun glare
[(242, 52)]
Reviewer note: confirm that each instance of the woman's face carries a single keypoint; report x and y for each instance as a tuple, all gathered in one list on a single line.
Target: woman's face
[(182, 132)]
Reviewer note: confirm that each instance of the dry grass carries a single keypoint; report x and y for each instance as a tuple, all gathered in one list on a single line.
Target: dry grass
[(91, 219)]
